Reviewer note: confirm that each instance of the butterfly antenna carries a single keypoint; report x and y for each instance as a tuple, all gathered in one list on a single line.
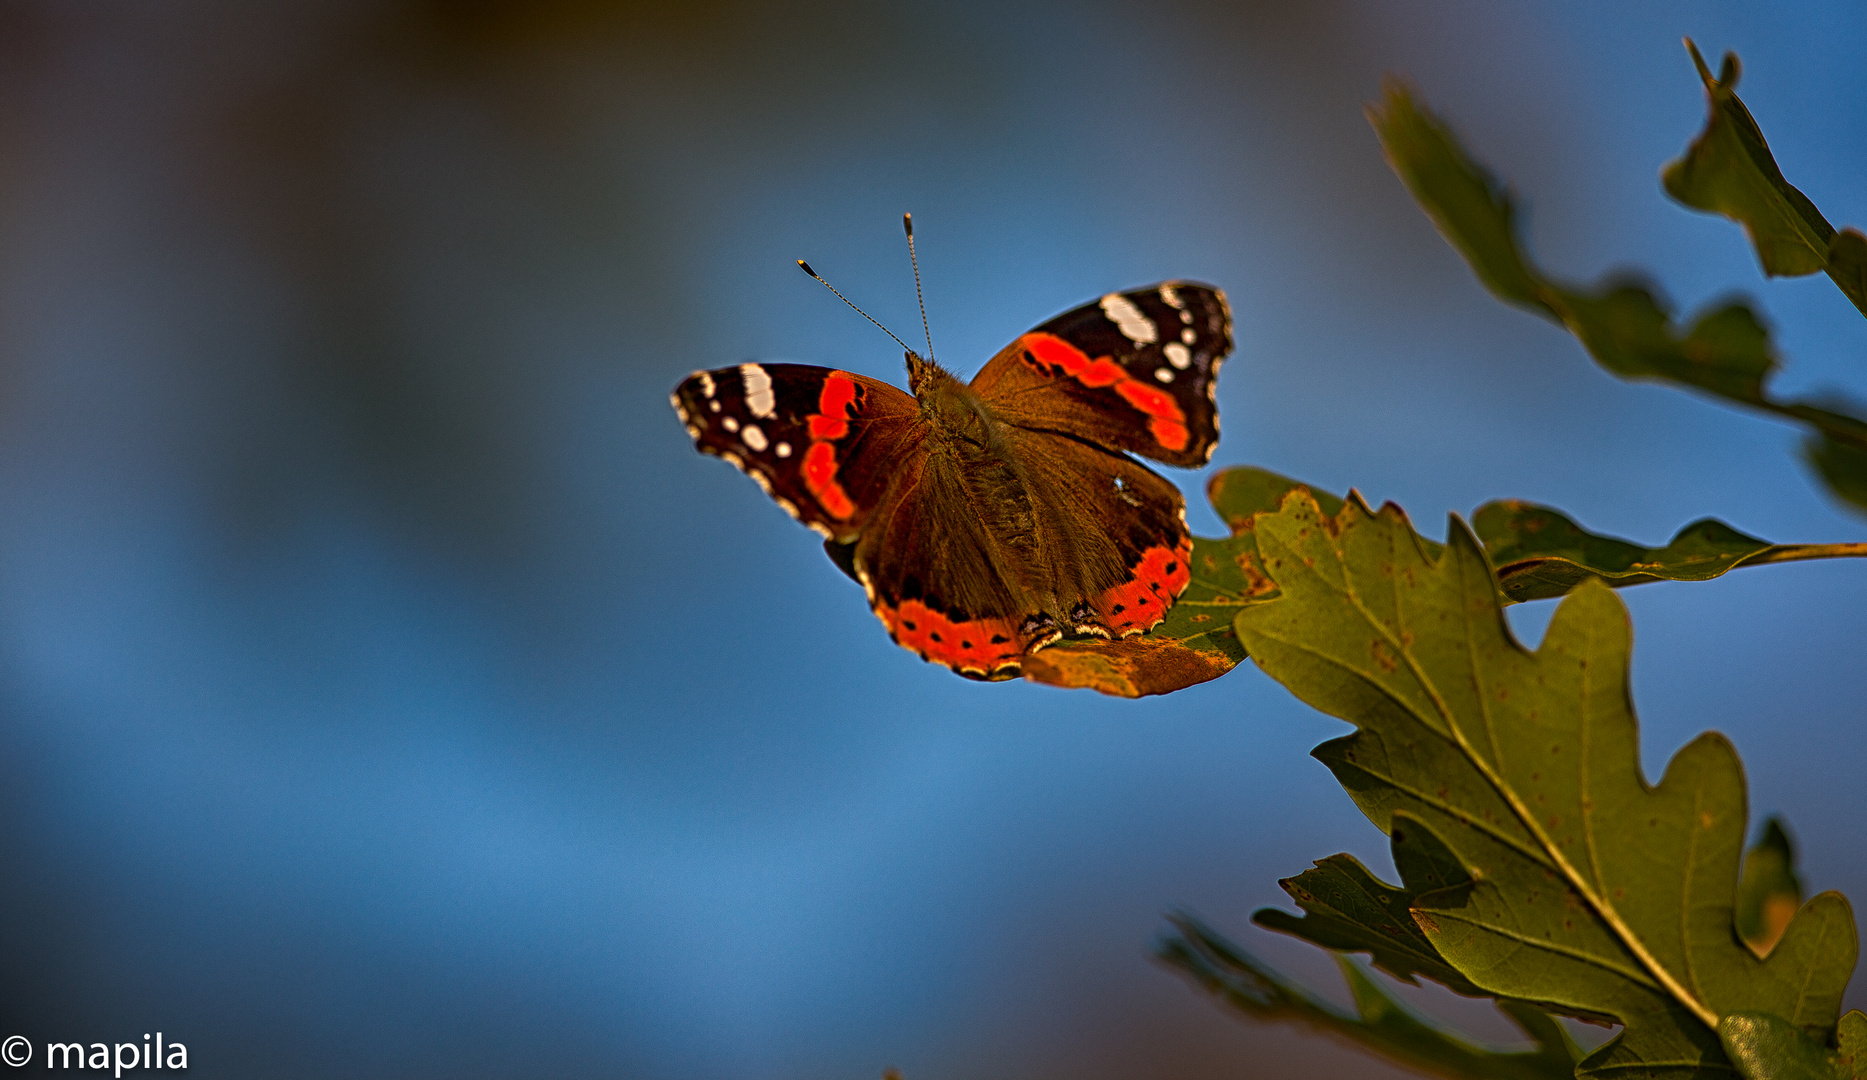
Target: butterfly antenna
[(805, 267), (907, 222)]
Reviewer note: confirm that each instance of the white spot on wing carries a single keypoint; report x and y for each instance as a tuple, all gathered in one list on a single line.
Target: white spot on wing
[(1163, 374), (1128, 319), (759, 397), (1177, 355), (706, 382), (730, 424), (1171, 297), (783, 449), (754, 437), (713, 406), (1188, 336)]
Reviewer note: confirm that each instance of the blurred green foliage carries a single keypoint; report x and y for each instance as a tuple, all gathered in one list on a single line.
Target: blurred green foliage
[(1724, 352)]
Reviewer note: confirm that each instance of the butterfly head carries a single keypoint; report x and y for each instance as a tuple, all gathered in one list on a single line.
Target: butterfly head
[(926, 378)]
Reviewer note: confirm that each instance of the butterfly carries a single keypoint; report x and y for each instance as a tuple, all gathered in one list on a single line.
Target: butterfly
[(987, 520)]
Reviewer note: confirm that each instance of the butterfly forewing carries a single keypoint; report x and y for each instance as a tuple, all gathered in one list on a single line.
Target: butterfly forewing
[(1132, 371), (821, 442)]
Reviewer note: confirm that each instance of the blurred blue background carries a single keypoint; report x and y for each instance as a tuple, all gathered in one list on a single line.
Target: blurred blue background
[(390, 690)]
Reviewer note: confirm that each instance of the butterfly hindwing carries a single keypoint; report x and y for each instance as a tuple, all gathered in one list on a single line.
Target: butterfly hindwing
[(1132, 371), (822, 443), (1128, 524)]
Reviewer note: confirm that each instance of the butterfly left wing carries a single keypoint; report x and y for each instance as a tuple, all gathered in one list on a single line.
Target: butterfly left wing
[(824, 444), (1133, 371)]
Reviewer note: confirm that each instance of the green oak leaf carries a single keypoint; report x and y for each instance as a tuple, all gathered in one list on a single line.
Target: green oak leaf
[(1378, 1024), (1769, 893), (1244, 491), (1474, 212), (1724, 352), (1842, 465), (1348, 909), (1729, 170), (1851, 1043), (1592, 892), (1847, 264), (1767, 1047), (1540, 553)]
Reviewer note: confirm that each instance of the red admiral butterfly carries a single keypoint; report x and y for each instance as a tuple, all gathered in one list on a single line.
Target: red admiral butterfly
[(986, 520)]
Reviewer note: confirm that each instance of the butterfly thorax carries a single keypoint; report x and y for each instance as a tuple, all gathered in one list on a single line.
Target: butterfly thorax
[(980, 486)]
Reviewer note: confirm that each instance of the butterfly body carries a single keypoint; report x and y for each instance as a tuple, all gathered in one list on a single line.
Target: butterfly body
[(990, 519)]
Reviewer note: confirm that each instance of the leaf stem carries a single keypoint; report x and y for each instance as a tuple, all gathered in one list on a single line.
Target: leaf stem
[(1799, 552)]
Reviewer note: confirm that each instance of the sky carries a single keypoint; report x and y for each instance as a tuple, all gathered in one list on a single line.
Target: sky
[(388, 689)]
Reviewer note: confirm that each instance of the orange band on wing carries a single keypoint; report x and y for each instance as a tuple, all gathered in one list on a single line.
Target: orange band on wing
[(820, 480), (1142, 601), (1165, 420), (831, 420), (829, 423), (978, 646)]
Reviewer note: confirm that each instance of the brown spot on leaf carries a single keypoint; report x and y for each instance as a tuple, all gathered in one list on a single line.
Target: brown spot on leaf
[(1257, 583)]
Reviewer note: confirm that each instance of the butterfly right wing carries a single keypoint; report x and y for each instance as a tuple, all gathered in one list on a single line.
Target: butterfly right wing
[(1132, 371), (824, 444)]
